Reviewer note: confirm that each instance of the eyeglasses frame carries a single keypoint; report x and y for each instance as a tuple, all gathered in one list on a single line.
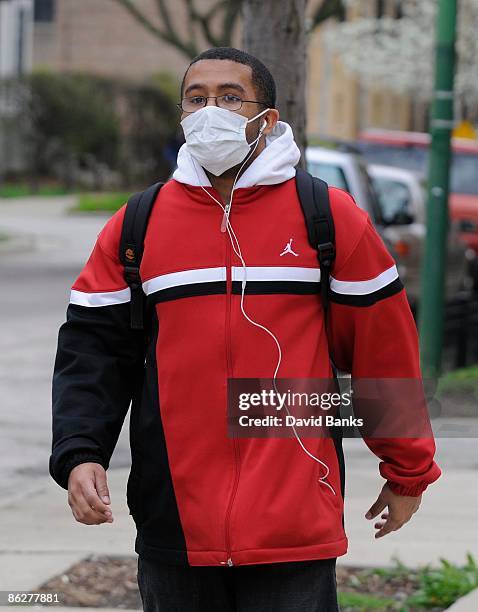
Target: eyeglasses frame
[(180, 104)]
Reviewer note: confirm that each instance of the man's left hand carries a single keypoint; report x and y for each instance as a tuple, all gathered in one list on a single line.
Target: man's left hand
[(400, 510)]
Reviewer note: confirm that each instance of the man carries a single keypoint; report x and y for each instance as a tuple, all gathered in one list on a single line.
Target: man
[(226, 523)]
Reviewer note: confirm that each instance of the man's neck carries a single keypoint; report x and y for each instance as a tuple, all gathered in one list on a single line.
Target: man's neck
[(223, 183)]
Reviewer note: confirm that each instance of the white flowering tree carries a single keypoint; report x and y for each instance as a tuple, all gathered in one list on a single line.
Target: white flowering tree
[(399, 54)]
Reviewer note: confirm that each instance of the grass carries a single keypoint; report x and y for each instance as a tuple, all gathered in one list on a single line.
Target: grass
[(442, 586), (464, 380), (18, 190), (425, 588), (358, 601), (87, 202), (109, 202)]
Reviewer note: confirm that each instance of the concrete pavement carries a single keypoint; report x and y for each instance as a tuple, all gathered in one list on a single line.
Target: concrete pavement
[(444, 526), (35, 284), (469, 603), (40, 538)]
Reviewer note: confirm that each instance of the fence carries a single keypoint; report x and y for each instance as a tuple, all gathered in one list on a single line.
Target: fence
[(461, 331)]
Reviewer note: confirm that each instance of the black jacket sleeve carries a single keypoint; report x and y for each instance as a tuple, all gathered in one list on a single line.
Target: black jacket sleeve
[(99, 362)]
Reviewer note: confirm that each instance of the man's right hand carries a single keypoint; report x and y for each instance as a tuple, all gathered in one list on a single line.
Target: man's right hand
[(88, 495)]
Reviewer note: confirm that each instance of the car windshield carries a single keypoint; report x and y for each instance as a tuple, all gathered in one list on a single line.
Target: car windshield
[(394, 197), (464, 175), (330, 173)]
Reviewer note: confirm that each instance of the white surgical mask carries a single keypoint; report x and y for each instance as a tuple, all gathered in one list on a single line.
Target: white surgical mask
[(216, 137)]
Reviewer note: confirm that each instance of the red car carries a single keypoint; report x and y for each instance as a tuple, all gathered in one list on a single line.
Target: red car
[(410, 150)]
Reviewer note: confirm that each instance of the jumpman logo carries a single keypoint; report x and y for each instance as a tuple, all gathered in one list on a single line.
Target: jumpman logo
[(288, 249)]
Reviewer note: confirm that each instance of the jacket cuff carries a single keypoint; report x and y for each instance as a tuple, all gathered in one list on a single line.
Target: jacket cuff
[(76, 459), (414, 491)]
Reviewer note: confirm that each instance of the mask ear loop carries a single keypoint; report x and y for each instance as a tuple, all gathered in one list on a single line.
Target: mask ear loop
[(237, 250), (227, 210)]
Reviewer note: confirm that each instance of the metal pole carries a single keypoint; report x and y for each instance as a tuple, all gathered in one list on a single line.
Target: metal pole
[(437, 220)]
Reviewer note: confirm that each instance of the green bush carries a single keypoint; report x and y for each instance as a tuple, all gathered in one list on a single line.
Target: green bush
[(87, 130), (403, 589), (442, 586), (75, 113)]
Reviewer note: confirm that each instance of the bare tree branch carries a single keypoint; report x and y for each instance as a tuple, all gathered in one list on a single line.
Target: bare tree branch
[(170, 36), (165, 16), (204, 20), (328, 9), (191, 29)]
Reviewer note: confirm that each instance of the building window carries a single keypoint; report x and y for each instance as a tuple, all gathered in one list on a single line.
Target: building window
[(44, 10)]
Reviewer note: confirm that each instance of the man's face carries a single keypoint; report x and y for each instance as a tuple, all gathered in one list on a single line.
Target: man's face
[(220, 77)]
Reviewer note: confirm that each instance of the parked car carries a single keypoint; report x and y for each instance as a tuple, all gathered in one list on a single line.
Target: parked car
[(410, 150), (402, 198), (345, 168)]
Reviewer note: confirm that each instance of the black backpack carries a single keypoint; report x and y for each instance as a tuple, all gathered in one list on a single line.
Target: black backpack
[(314, 199)]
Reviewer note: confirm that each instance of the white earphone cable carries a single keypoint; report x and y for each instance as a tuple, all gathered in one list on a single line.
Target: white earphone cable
[(226, 225)]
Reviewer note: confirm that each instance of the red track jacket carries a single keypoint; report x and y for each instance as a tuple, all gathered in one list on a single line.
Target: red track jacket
[(197, 496)]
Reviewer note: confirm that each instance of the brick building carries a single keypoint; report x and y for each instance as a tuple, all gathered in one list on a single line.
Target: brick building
[(101, 37)]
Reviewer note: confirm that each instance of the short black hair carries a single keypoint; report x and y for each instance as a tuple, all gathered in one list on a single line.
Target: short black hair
[(262, 78)]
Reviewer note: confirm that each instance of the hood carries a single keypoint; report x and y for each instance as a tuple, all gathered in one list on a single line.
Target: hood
[(274, 165)]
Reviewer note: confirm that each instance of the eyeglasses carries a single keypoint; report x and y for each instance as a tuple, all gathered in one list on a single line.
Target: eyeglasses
[(227, 101)]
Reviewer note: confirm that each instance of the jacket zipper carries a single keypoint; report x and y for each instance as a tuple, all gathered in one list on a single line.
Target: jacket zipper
[(229, 375)]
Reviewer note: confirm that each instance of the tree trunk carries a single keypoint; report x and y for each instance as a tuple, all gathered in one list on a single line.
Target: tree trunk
[(277, 36)]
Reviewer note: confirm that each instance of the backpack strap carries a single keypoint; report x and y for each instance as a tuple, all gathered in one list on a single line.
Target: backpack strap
[(314, 199), (138, 210)]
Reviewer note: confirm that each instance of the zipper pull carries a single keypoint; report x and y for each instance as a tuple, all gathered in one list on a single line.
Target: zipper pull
[(225, 217), (229, 562)]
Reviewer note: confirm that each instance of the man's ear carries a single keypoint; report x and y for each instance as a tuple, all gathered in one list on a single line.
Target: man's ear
[(271, 118)]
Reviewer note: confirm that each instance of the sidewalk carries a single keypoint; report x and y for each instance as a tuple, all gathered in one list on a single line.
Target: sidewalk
[(40, 537), (444, 526), (44, 225)]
